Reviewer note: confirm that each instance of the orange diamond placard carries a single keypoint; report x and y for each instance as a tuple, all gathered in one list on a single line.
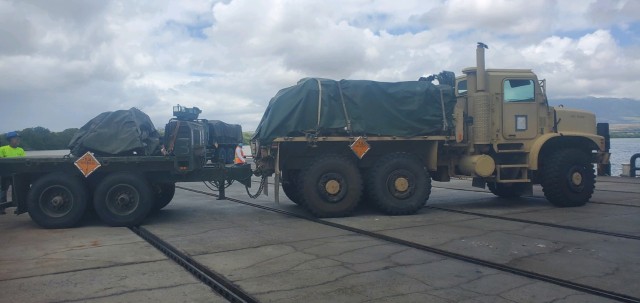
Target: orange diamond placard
[(360, 147), (87, 164)]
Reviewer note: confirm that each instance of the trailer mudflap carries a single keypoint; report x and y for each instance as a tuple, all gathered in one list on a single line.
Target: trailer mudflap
[(241, 173)]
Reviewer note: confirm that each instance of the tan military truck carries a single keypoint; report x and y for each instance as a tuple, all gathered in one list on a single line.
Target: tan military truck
[(334, 144)]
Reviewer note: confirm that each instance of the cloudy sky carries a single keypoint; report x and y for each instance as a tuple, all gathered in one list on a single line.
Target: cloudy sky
[(63, 62)]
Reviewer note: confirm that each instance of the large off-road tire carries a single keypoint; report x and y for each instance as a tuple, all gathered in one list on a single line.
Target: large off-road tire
[(123, 199), (568, 178), (331, 186), (57, 200), (164, 193), (399, 184), (507, 190), (290, 180)]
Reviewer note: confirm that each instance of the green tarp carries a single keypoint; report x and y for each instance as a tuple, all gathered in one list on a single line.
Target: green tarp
[(121, 132), (359, 107)]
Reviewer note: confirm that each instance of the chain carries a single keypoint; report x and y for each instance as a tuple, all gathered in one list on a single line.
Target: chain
[(263, 183)]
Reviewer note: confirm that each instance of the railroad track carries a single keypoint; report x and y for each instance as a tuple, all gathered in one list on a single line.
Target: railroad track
[(468, 259), (567, 227), (215, 281)]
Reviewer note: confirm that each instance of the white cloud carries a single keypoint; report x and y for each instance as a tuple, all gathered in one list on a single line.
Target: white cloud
[(63, 62)]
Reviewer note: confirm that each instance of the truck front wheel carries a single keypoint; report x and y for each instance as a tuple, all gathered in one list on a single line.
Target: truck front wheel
[(57, 200), (399, 184), (331, 186), (568, 178), (123, 199)]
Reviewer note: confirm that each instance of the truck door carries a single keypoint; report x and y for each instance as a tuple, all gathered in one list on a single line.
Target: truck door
[(519, 109)]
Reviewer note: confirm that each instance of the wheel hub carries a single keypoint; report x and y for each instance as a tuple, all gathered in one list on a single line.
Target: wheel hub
[(122, 199), (576, 178), (332, 187), (401, 184), (57, 201)]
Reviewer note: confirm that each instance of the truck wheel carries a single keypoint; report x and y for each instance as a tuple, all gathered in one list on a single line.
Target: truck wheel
[(57, 200), (331, 186), (568, 178), (123, 199), (399, 184), (290, 185), (164, 193), (507, 190)]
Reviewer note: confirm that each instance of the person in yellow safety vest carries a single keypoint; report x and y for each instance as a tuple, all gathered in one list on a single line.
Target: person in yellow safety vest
[(11, 150), (239, 157)]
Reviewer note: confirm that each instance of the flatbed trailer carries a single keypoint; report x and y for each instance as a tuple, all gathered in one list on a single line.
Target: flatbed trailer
[(57, 191)]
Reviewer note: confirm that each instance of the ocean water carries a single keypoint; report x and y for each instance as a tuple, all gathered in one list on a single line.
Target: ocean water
[(621, 151)]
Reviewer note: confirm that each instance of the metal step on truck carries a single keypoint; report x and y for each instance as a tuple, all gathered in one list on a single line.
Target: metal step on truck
[(334, 144), (123, 189)]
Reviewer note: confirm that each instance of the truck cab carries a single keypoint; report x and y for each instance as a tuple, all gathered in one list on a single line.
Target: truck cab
[(504, 114)]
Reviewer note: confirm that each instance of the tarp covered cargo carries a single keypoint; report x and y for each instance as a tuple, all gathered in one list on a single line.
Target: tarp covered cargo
[(359, 107), (224, 133), (121, 132)]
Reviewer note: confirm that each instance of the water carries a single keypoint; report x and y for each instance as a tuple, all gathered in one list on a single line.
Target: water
[(621, 151)]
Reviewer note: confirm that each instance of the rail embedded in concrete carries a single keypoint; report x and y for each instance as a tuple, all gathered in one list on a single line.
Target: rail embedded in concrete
[(214, 280)]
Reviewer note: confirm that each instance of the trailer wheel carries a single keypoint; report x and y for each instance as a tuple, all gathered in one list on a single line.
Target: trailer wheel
[(331, 186), (399, 184), (164, 193), (507, 190), (290, 185), (57, 200), (568, 178), (123, 199)]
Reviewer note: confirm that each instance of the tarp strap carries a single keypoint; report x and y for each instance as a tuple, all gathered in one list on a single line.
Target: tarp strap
[(445, 126), (173, 137), (344, 108), (319, 102)]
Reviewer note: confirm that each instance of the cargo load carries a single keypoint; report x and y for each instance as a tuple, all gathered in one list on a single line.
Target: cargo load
[(323, 107), (117, 133), (224, 133)]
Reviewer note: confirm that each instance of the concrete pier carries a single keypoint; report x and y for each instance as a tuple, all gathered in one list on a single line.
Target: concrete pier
[(279, 258)]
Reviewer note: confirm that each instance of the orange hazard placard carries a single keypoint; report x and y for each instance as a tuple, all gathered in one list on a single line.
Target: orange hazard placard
[(360, 147), (87, 164)]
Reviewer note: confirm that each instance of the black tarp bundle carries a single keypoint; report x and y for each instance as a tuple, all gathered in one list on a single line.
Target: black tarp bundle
[(359, 107), (122, 132), (224, 133)]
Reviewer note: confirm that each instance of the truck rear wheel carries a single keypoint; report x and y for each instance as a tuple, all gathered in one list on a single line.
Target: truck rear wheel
[(290, 185), (123, 199), (507, 190), (57, 200), (164, 193), (399, 184), (568, 178), (331, 186)]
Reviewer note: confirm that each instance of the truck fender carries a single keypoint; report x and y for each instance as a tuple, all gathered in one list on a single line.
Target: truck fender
[(537, 146)]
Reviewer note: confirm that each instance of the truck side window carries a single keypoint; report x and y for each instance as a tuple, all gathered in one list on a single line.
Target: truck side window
[(461, 87), (518, 90)]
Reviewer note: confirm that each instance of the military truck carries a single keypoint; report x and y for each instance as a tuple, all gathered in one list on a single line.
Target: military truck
[(334, 144), (121, 188)]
